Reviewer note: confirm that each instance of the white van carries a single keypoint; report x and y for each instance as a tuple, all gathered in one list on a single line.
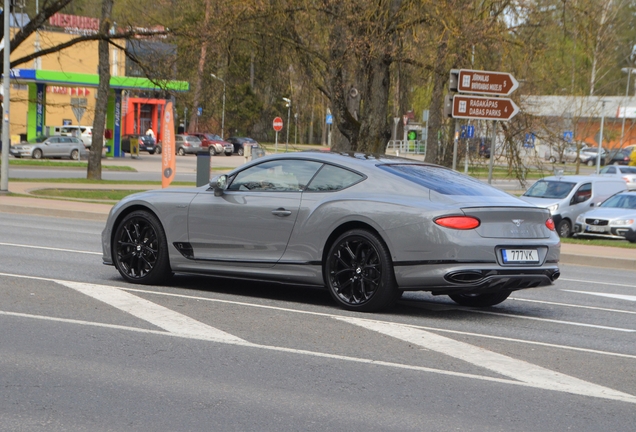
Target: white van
[(73, 130), (571, 195)]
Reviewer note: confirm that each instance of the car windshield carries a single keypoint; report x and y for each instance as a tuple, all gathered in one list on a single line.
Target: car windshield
[(442, 180), (626, 201), (549, 189)]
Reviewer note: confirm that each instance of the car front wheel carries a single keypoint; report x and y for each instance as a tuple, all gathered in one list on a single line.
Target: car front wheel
[(480, 300), (37, 154), (240, 152), (359, 272), (564, 229), (228, 154), (140, 249)]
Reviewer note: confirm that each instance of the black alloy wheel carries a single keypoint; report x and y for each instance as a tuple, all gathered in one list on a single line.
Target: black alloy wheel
[(140, 249), (480, 300), (359, 272)]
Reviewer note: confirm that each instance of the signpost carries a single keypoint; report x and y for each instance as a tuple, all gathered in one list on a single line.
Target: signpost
[(278, 126), (486, 82), (483, 108)]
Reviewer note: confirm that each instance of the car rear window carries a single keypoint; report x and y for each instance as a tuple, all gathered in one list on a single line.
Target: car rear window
[(442, 180)]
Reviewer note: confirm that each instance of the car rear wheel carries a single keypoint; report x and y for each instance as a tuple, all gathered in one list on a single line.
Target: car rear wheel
[(480, 300), (75, 154), (158, 150), (590, 162), (37, 154), (552, 159), (240, 152), (359, 272), (151, 152), (140, 249), (564, 229), (181, 151)]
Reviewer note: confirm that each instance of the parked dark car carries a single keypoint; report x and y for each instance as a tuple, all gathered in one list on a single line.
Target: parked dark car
[(146, 143), (484, 150), (214, 143), (620, 157), (240, 143)]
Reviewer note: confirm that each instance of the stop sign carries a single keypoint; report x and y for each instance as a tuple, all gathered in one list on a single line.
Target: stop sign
[(278, 124)]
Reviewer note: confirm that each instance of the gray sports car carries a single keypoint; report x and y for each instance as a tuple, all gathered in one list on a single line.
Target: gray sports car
[(614, 218), (366, 227)]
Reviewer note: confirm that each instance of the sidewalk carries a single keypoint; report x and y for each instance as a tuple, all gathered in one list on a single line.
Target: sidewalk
[(593, 256)]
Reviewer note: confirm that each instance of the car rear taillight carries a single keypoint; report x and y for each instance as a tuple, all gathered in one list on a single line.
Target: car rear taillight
[(550, 224), (458, 222)]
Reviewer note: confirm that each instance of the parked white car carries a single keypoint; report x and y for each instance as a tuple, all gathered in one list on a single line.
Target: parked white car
[(627, 173)]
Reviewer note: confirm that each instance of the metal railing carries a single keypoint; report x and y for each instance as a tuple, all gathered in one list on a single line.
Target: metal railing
[(406, 147)]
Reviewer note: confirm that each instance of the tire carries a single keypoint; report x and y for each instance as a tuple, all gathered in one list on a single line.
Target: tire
[(212, 151), (151, 152), (158, 150), (75, 154), (37, 154), (480, 300), (228, 154), (552, 159), (181, 151), (564, 229), (240, 152), (359, 273), (590, 162), (140, 250)]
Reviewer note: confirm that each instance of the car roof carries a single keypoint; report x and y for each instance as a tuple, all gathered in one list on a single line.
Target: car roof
[(578, 178)]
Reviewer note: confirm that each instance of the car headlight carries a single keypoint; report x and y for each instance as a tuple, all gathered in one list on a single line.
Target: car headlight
[(622, 222), (580, 219), (553, 208)]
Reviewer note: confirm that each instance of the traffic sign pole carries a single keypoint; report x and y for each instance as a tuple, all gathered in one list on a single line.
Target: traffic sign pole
[(276, 145)]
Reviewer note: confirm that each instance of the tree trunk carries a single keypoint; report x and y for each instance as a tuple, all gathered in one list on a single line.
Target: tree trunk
[(440, 77), (196, 94), (374, 132), (94, 170)]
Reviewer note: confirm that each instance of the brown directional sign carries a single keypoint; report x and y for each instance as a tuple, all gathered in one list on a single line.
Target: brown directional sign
[(483, 108), (486, 82)]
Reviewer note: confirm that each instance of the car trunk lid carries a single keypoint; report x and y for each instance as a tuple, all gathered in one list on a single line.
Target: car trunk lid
[(510, 222)]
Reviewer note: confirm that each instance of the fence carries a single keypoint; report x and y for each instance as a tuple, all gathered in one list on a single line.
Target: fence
[(406, 147)]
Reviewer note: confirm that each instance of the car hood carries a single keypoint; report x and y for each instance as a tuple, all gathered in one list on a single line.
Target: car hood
[(610, 213), (541, 202)]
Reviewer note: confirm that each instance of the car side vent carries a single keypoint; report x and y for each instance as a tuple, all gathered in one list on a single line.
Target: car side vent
[(185, 249)]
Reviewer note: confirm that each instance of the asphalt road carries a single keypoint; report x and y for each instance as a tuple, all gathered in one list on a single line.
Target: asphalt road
[(82, 350)]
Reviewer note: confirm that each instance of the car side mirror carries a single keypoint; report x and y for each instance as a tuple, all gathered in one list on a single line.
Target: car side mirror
[(219, 184)]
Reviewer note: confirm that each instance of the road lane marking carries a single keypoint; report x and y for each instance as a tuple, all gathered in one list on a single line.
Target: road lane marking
[(614, 296), (572, 305), (50, 248), (532, 375), (160, 316), (523, 373), (572, 323), (598, 282), (328, 315)]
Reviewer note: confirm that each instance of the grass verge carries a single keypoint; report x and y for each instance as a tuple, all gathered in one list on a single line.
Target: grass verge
[(599, 242), (70, 164), (85, 194)]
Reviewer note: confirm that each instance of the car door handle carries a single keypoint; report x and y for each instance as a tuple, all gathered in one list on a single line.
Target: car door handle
[(281, 212)]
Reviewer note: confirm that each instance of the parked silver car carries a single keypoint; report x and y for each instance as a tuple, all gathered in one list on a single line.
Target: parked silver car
[(187, 144), (365, 227), (614, 218), (626, 173), (56, 146)]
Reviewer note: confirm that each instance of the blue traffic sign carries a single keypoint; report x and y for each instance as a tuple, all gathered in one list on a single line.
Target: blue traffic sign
[(468, 131), (199, 111), (329, 119), (568, 136), (529, 142)]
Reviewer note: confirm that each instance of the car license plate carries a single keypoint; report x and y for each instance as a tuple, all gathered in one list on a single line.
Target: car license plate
[(593, 228), (524, 256)]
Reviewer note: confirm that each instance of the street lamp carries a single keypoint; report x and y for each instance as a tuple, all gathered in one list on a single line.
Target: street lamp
[(629, 72), (223, 112), (600, 139), (288, 105)]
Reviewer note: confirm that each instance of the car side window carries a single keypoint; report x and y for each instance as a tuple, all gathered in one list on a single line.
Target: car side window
[(583, 193), (276, 176), (332, 178)]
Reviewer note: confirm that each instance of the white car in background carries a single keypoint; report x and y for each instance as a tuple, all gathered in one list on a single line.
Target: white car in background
[(627, 173)]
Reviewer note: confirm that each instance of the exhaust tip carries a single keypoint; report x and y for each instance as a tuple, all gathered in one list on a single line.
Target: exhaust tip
[(556, 275), (465, 277)]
